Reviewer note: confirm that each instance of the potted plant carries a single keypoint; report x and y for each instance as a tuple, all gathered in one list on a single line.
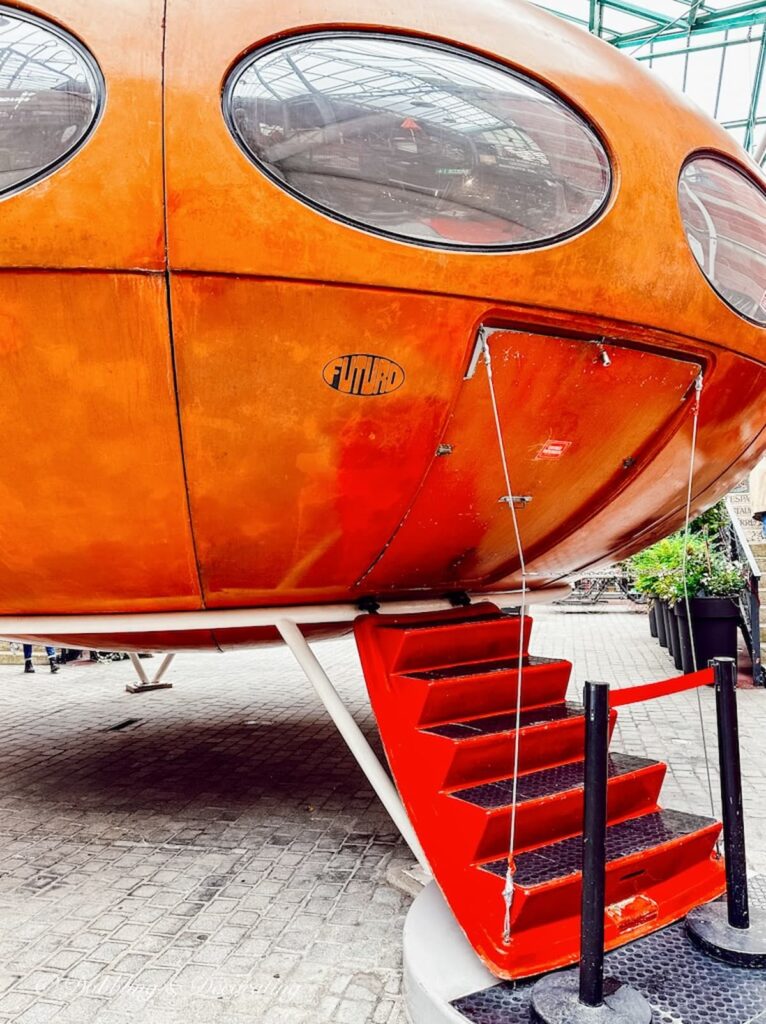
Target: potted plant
[(693, 569), (646, 568), (677, 554), (713, 587)]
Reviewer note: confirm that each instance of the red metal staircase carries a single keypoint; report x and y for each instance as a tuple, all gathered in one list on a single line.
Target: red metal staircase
[(444, 689)]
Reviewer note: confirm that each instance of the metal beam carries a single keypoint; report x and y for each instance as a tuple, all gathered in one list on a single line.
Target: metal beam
[(742, 122), (755, 94), (741, 16), (354, 737), (681, 51), (637, 12)]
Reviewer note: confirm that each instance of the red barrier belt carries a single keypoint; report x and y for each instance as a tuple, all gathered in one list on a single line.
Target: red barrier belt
[(634, 694)]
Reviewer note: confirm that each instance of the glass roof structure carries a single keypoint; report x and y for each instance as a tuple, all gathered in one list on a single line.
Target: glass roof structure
[(712, 50)]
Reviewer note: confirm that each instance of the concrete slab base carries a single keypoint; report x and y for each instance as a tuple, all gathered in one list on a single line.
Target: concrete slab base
[(439, 964), (445, 982)]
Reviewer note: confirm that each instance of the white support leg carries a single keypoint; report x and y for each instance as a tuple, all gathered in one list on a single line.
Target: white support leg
[(147, 683), (352, 734)]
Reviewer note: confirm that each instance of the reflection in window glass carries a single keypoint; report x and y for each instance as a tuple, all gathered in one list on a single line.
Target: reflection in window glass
[(49, 98), (418, 141), (724, 214)]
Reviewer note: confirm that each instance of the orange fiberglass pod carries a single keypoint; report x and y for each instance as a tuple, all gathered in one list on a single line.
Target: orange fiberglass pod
[(258, 263)]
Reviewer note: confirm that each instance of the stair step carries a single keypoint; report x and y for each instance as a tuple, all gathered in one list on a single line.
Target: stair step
[(550, 802), (545, 783), (484, 688), (444, 689), (454, 639), (482, 750), (563, 859), (438, 621), (481, 668), (493, 725)]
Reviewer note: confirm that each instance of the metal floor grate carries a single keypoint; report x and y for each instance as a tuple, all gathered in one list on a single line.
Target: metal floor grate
[(491, 725), (682, 985), (549, 781)]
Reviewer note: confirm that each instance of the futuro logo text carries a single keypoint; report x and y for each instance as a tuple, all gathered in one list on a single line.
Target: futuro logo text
[(364, 375)]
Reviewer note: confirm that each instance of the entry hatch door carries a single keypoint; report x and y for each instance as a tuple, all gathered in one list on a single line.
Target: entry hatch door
[(580, 419)]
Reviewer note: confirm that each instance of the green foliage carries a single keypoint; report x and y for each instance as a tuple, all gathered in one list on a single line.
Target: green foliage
[(711, 523), (695, 566)]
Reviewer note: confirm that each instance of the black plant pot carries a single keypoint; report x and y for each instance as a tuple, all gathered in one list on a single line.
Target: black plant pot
[(669, 637), (659, 618), (653, 617), (684, 638), (714, 625), (674, 640)]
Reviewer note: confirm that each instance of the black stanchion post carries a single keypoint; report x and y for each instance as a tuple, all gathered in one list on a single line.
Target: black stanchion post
[(594, 844), (580, 998), (729, 931), (731, 791)]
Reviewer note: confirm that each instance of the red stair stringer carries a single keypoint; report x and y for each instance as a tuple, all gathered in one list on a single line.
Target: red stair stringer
[(443, 687)]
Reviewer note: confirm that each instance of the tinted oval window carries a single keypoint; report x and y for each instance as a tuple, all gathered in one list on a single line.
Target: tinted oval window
[(418, 141), (724, 214), (50, 92)]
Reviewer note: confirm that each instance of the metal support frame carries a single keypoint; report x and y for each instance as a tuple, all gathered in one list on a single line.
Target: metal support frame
[(58, 627), (755, 96), (146, 683), (353, 736), (692, 26)]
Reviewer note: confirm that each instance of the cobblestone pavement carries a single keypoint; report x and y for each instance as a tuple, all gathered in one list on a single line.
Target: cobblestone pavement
[(213, 853)]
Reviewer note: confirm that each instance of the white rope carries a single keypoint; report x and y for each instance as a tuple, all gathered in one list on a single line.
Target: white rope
[(508, 888), (695, 422)]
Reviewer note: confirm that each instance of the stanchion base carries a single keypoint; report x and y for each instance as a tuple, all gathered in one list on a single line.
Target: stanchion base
[(709, 929), (555, 999)]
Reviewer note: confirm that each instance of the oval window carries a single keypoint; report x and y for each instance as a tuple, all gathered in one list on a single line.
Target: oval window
[(418, 141), (724, 215), (50, 95)]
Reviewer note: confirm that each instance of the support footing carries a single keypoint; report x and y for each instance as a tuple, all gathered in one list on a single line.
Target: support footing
[(145, 687), (709, 929), (555, 999), (146, 683)]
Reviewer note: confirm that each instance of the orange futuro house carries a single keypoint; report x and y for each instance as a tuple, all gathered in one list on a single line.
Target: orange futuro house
[(307, 305), (244, 285)]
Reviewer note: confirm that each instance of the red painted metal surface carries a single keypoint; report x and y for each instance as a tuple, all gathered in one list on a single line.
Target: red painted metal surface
[(444, 689)]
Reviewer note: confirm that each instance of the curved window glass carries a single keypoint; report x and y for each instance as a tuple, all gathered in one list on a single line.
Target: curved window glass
[(418, 141), (724, 215), (50, 93)]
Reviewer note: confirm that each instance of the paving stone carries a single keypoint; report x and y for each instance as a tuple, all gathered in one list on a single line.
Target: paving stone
[(226, 860)]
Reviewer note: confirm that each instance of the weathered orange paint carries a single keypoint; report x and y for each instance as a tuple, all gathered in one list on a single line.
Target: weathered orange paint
[(264, 486), (103, 208), (93, 512)]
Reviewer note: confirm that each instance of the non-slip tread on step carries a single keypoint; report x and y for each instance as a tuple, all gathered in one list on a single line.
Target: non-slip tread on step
[(548, 782), (506, 722), (564, 858), (482, 668)]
